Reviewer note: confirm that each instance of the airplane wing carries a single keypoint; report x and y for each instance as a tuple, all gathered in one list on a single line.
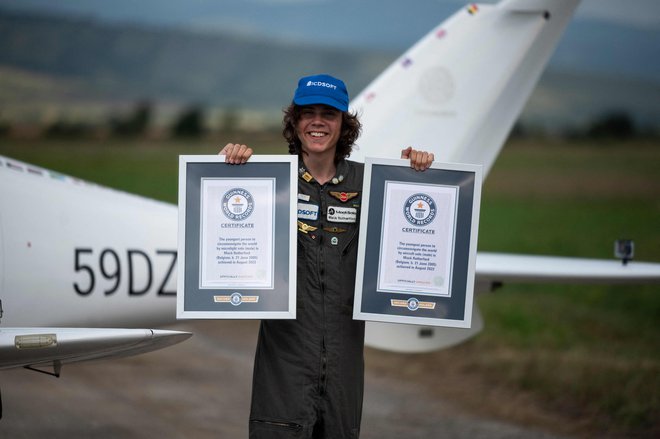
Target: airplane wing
[(41, 347)]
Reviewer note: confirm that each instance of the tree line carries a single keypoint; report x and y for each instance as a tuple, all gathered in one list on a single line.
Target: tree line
[(192, 121), (610, 125)]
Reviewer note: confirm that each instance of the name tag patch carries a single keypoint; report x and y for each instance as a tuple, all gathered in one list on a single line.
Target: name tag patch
[(308, 211), (340, 214)]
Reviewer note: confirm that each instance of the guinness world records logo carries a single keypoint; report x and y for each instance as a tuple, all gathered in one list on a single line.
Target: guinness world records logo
[(236, 299), (419, 209), (412, 304), (237, 204)]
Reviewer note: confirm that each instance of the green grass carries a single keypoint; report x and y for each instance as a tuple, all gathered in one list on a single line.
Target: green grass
[(569, 227), (587, 353), (147, 168)]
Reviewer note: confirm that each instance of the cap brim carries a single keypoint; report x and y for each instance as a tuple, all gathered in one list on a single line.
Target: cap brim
[(325, 100)]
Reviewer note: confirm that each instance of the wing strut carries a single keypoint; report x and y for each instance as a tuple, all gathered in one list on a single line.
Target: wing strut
[(57, 368)]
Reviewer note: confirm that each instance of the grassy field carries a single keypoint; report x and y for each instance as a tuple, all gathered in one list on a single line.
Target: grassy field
[(590, 353), (576, 359)]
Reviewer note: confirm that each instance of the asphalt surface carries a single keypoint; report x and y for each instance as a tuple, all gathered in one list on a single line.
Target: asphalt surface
[(201, 389)]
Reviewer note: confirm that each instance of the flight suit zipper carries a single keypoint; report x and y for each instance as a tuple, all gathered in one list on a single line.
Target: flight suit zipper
[(277, 424), (324, 355)]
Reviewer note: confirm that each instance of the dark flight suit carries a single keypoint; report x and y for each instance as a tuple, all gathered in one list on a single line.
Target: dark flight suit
[(309, 372)]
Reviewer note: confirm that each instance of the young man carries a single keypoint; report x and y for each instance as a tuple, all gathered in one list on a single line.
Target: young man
[(309, 372)]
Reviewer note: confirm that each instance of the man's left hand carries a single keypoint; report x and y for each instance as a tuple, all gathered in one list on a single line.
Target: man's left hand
[(419, 160)]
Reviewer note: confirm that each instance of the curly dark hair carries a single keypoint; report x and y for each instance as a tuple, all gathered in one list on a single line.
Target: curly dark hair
[(350, 131)]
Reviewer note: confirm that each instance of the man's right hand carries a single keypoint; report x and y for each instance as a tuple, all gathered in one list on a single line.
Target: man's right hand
[(236, 154)]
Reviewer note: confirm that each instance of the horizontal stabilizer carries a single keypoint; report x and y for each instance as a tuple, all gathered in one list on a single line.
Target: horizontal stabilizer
[(496, 268), (30, 347), (499, 267)]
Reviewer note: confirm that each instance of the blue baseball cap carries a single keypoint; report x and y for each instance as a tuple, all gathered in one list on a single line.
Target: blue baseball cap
[(322, 89)]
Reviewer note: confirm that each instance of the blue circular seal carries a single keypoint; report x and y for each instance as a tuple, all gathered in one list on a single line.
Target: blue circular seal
[(419, 209), (237, 204), (413, 304), (236, 299)]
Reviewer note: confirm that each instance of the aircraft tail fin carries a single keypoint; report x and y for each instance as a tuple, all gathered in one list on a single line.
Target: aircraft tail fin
[(460, 89)]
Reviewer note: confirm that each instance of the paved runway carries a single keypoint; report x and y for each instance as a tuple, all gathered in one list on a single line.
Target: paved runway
[(201, 389)]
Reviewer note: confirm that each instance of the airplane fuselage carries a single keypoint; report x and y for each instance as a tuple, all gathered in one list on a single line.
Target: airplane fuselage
[(72, 252)]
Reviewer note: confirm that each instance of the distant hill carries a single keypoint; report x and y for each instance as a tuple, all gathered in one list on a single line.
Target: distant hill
[(88, 59)]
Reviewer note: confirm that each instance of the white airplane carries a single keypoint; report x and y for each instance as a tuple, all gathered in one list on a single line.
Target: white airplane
[(76, 257)]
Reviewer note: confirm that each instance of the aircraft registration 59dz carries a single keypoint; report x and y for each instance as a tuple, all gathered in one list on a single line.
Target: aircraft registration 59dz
[(79, 256), (76, 257)]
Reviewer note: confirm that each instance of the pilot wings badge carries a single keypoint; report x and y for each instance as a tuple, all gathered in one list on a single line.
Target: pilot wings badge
[(344, 196), (305, 228)]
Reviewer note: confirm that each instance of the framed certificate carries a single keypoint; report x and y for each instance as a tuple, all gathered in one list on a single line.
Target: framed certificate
[(237, 238), (419, 230)]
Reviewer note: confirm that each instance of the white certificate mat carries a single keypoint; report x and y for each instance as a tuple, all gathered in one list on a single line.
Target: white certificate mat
[(418, 243), (417, 239), (236, 240)]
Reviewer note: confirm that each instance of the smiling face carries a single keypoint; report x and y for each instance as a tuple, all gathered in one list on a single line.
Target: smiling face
[(319, 128)]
